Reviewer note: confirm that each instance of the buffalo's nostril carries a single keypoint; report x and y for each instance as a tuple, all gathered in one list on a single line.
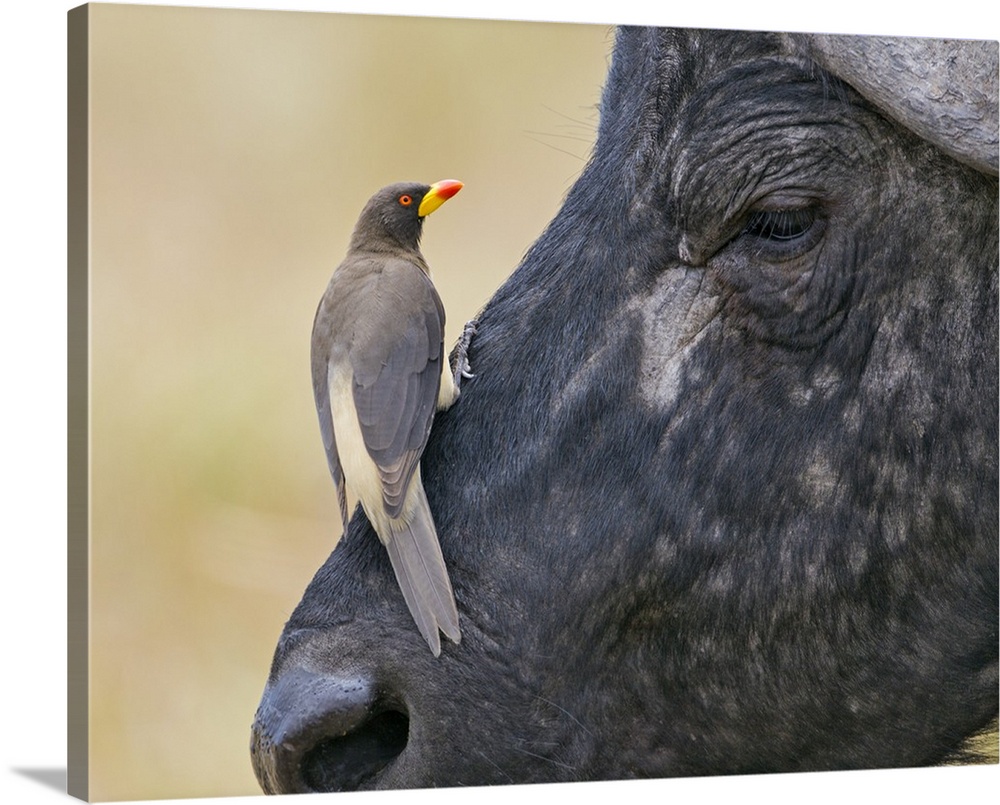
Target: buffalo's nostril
[(319, 733), (345, 763)]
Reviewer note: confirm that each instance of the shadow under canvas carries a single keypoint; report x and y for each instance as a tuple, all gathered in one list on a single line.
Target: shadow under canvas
[(49, 777)]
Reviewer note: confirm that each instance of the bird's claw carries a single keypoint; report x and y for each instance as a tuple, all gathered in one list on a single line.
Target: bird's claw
[(460, 354)]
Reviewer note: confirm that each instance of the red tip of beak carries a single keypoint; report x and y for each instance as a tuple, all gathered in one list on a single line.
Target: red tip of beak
[(446, 188)]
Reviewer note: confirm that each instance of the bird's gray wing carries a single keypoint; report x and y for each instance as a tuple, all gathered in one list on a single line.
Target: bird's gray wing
[(396, 358), (321, 393)]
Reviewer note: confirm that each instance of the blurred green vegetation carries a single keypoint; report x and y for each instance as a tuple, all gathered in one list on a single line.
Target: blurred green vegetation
[(231, 154)]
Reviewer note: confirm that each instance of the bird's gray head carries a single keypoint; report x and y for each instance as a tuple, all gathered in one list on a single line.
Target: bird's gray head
[(394, 216)]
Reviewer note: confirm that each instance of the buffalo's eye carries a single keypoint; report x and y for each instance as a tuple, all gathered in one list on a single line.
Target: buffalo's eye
[(783, 233), (780, 225)]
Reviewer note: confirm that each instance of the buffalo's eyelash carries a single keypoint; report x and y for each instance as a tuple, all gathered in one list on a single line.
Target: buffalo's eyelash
[(780, 225)]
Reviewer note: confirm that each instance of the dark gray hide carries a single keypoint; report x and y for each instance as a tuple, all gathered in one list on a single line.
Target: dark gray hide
[(722, 496)]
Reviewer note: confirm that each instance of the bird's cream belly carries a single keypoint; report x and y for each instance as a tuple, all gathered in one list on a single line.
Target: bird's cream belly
[(447, 392), (360, 472)]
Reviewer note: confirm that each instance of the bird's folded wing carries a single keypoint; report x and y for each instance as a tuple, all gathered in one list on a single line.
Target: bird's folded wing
[(396, 358)]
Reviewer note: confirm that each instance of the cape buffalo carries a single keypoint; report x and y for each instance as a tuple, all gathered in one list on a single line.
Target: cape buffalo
[(722, 494)]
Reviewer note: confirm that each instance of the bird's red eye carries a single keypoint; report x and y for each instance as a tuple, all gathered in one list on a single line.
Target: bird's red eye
[(405, 200)]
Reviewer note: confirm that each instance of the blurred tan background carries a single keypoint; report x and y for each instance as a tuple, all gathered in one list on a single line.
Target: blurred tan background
[(231, 154)]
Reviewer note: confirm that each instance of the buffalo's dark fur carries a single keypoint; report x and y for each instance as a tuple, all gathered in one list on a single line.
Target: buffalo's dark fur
[(717, 500)]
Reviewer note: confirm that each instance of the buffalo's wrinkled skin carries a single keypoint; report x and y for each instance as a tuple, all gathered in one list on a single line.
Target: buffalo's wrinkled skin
[(722, 495)]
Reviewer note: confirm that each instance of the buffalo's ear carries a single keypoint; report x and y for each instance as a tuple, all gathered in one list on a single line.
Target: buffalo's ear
[(944, 90)]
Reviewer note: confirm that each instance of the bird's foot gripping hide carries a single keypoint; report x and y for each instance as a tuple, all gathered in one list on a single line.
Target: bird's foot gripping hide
[(460, 366)]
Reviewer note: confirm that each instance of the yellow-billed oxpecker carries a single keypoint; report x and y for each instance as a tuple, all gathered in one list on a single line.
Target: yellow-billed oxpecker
[(379, 374)]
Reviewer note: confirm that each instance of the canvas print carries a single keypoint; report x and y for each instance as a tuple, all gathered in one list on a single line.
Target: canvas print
[(482, 403)]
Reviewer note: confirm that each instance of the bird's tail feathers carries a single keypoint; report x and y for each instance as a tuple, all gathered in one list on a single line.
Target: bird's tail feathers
[(420, 570)]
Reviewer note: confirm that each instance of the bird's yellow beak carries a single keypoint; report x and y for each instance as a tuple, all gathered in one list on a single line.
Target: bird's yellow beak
[(439, 193)]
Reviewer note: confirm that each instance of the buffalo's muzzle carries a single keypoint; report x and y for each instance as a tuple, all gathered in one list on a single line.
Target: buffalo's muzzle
[(317, 733)]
